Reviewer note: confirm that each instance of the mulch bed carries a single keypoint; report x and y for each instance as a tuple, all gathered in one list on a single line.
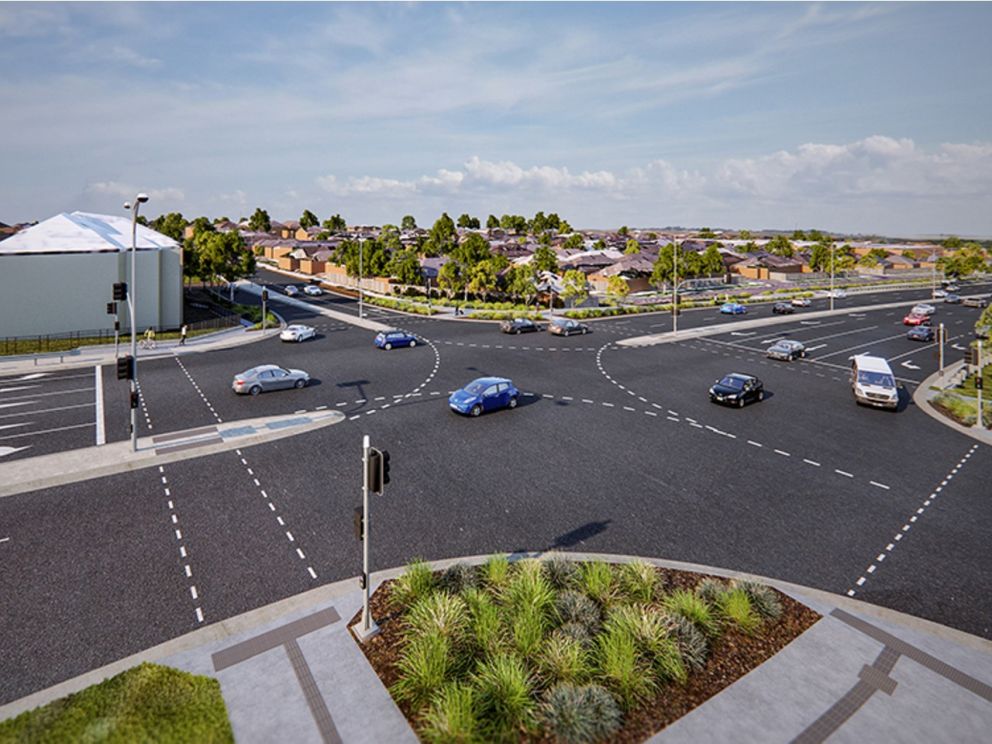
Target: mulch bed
[(731, 656)]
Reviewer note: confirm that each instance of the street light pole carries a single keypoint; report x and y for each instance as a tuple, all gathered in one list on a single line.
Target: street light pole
[(675, 287), (361, 270), (832, 250), (138, 200)]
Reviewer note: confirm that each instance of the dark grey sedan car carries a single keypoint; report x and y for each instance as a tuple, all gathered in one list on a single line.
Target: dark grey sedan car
[(268, 377)]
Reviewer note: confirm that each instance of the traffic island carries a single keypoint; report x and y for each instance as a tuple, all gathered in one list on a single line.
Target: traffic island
[(539, 650)]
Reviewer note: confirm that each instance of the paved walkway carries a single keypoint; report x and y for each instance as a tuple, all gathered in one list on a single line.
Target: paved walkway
[(291, 671)]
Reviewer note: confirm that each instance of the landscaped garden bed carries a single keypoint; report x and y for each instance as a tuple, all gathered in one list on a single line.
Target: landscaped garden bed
[(559, 650)]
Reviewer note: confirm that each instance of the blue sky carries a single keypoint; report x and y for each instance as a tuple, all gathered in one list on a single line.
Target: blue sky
[(840, 116)]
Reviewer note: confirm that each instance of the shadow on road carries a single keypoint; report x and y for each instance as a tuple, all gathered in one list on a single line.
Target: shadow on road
[(579, 535)]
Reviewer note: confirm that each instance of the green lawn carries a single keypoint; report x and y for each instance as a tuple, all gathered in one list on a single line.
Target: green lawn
[(144, 704)]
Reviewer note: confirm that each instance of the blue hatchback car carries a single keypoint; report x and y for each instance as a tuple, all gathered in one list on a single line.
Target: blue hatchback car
[(484, 394), (733, 308), (394, 339)]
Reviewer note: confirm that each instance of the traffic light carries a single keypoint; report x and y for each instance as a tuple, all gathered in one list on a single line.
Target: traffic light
[(125, 367), (378, 469), (120, 291), (265, 295), (111, 308), (359, 520), (971, 356), (134, 399)]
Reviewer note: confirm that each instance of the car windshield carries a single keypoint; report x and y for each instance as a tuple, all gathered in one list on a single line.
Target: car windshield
[(876, 378), (475, 388), (782, 346), (732, 382)]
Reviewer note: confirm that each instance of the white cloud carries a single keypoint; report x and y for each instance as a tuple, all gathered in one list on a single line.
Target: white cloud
[(126, 191)]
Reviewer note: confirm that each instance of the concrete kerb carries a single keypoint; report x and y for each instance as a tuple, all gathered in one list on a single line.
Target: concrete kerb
[(819, 600), (342, 317), (21, 476), (923, 395)]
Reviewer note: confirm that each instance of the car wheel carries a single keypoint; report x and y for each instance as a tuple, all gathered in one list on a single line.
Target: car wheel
[(476, 410), (761, 395), (299, 339), (412, 344), (740, 402), (513, 402), (387, 347), (585, 331), (300, 383), (517, 331), (255, 390)]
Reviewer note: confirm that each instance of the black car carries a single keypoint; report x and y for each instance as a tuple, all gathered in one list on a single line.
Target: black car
[(519, 325), (783, 308), (737, 389), (920, 333)]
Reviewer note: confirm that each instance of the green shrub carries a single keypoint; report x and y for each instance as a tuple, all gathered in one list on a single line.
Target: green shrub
[(763, 598), (710, 590), (563, 659), (962, 411), (415, 582), (622, 669), (444, 614), (575, 631), (485, 623), (453, 716), (639, 581), (691, 642), (735, 607), (423, 666), (596, 580), (459, 577), (562, 572), (692, 607), (576, 607), (496, 572), (580, 715), (505, 687), (528, 588), (528, 626)]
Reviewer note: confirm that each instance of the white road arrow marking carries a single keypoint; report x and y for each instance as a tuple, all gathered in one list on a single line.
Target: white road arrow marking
[(11, 450), (909, 365), (743, 333), (958, 347)]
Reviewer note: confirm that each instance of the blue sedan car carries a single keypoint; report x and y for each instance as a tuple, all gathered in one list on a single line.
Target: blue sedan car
[(394, 339), (733, 308), (484, 394)]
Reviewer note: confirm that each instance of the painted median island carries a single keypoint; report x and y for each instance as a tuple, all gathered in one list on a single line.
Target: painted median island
[(568, 651)]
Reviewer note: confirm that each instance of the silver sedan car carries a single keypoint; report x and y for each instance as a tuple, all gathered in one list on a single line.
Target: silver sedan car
[(268, 377)]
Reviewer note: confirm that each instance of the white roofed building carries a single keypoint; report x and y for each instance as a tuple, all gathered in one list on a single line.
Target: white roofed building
[(58, 276)]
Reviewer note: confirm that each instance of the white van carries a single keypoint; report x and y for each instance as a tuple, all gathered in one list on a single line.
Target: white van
[(873, 383)]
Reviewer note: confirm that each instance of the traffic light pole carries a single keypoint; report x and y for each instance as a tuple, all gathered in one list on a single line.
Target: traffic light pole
[(978, 387), (134, 329), (368, 627), (940, 342)]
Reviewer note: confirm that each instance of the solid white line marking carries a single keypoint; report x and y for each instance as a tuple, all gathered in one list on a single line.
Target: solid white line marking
[(843, 472), (811, 462), (880, 485), (101, 433)]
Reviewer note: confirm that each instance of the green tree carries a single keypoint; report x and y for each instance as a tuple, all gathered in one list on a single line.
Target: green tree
[(869, 260), (539, 224), (909, 253), (308, 219), (442, 237), (750, 247), (632, 247), (705, 232), (545, 259), (202, 224), (564, 228), (798, 235), (514, 223), (816, 235), (623, 231), (744, 234), (664, 266), (819, 257), (405, 267), (844, 258), (712, 261), (491, 222), (520, 282), (952, 242), (408, 222), (652, 236), (465, 220), (171, 224), (599, 245), (574, 287), (780, 246), (484, 276), (617, 288), (451, 278), (574, 242), (553, 222), (260, 221), (470, 251), (335, 223), (223, 255)]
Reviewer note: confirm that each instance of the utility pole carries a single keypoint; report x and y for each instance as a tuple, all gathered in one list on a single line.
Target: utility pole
[(361, 271), (675, 287), (978, 387)]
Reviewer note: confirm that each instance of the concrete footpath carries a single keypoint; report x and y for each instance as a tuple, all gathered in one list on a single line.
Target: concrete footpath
[(292, 671)]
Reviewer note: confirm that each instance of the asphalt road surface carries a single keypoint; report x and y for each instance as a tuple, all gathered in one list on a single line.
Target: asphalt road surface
[(612, 449)]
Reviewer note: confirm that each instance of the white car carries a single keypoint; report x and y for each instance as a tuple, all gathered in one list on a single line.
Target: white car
[(313, 290), (291, 290), (923, 309), (800, 302), (940, 293), (298, 333), (838, 294)]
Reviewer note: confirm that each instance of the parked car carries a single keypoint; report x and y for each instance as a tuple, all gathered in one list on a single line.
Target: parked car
[(952, 299), (783, 308), (915, 319), (298, 332), (313, 290), (786, 350), (733, 308), (268, 377), (519, 325), (801, 302), (838, 294), (291, 290), (566, 327), (975, 302), (736, 389), (484, 394), (394, 339), (920, 333), (923, 309)]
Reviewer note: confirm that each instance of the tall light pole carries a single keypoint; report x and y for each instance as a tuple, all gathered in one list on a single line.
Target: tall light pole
[(361, 270), (675, 287), (832, 251), (933, 276), (138, 200)]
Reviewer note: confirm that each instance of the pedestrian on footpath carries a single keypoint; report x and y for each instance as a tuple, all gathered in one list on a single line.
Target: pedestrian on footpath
[(182, 334)]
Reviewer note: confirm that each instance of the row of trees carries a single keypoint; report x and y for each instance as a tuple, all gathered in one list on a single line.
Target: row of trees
[(207, 254)]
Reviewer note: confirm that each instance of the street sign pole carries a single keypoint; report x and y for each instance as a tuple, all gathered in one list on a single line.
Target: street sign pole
[(978, 387), (940, 341)]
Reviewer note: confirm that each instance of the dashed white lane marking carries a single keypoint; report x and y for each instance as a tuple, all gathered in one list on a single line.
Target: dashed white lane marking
[(755, 444), (904, 529), (781, 452), (880, 485), (814, 463), (843, 472)]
